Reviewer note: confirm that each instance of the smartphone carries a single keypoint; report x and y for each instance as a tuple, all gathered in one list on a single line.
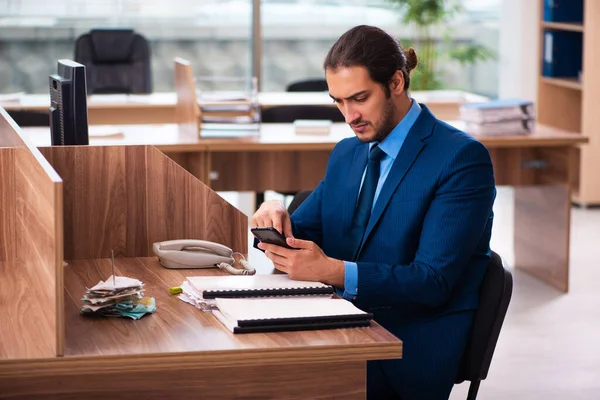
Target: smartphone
[(270, 235)]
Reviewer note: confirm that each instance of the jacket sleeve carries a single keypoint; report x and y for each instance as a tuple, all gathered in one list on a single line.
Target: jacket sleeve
[(452, 228), (306, 220)]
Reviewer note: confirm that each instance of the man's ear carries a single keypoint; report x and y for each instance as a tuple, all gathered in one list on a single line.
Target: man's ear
[(397, 83)]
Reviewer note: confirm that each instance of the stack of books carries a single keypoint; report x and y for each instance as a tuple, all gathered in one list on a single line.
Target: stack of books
[(270, 303), (498, 117)]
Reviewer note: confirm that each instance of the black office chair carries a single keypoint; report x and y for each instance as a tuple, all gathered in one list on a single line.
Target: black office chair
[(308, 85), (116, 61), (297, 200), (288, 114), (30, 118), (494, 297)]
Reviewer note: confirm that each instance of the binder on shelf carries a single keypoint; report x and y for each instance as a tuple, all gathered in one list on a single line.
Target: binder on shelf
[(211, 287), (562, 54), (563, 11), (289, 314)]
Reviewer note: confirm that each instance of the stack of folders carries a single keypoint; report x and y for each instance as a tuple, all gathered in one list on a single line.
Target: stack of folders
[(266, 303), (118, 296), (498, 117), (289, 314)]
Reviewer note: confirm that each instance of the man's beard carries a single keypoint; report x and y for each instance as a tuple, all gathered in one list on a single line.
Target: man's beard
[(387, 124), (383, 129)]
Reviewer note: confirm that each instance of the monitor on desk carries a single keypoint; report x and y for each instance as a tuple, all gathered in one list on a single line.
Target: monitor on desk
[(68, 105)]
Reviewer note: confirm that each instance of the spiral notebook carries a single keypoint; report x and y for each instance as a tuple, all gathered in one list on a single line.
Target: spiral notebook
[(236, 286), (289, 314)]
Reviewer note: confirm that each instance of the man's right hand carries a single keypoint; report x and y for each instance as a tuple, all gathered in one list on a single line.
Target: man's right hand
[(273, 213)]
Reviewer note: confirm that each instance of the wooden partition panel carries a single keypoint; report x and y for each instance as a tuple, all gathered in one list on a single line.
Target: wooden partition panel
[(124, 198), (542, 231), (104, 200), (7, 205), (31, 271), (180, 206), (39, 253), (187, 111)]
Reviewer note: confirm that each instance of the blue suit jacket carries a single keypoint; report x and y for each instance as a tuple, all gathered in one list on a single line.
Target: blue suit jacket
[(426, 246)]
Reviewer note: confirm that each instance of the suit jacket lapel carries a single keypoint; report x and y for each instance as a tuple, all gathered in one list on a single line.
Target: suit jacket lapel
[(411, 148)]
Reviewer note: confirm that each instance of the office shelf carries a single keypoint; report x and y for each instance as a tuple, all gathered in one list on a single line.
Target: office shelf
[(572, 105), (571, 83), (563, 26)]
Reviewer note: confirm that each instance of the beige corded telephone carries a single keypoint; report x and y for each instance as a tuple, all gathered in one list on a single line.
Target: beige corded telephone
[(191, 253)]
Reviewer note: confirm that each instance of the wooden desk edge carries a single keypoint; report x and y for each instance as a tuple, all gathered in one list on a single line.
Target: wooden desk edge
[(129, 363)]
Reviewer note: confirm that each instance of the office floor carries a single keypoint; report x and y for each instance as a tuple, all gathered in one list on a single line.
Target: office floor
[(549, 345)]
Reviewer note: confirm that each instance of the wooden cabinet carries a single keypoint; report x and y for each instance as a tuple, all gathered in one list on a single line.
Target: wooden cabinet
[(573, 104)]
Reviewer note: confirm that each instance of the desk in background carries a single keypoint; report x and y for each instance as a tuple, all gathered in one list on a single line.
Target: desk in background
[(539, 166), (159, 108)]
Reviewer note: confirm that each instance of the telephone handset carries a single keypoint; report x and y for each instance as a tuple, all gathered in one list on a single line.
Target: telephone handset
[(191, 253)]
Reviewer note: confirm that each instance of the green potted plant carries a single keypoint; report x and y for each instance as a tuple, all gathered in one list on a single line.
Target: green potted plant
[(428, 17)]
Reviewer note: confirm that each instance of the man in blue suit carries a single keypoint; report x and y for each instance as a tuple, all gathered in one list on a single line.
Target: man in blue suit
[(402, 221)]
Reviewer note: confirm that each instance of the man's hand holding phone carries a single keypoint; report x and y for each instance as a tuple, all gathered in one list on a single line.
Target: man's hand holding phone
[(300, 259), (273, 214)]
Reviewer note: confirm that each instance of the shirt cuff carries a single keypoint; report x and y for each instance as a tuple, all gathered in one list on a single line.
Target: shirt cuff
[(350, 281)]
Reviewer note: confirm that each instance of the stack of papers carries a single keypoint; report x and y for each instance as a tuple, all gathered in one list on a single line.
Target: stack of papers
[(498, 117), (118, 296)]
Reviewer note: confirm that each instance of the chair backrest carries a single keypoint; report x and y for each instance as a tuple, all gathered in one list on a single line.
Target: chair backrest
[(30, 117), (288, 114), (494, 297), (297, 200), (309, 85), (116, 61)]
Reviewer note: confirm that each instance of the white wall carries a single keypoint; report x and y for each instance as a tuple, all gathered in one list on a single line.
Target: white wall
[(518, 56)]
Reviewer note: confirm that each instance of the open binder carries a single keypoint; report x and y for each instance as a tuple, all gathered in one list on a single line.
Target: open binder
[(211, 287), (289, 314)]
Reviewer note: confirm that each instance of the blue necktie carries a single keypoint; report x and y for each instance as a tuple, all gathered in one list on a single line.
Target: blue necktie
[(362, 213)]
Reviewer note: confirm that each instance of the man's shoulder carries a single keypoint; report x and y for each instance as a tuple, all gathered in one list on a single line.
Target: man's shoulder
[(454, 139), (345, 146)]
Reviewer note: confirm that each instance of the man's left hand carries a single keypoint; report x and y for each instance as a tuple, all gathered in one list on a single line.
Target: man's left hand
[(306, 262)]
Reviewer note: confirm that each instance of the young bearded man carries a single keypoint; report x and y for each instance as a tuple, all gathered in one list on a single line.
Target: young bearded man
[(401, 222)]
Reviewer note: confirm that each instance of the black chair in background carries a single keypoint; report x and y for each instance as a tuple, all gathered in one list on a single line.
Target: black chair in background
[(494, 298), (30, 118), (116, 61), (297, 200), (288, 114), (308, 85)]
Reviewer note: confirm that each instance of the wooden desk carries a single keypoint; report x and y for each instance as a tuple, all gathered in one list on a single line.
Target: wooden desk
[(93, 199), (159, 108), (183, 352)]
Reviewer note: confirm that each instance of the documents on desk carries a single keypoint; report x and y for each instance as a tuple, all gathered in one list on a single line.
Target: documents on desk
[(201, 291), (266, 303), (118, 296), (289, 314)]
